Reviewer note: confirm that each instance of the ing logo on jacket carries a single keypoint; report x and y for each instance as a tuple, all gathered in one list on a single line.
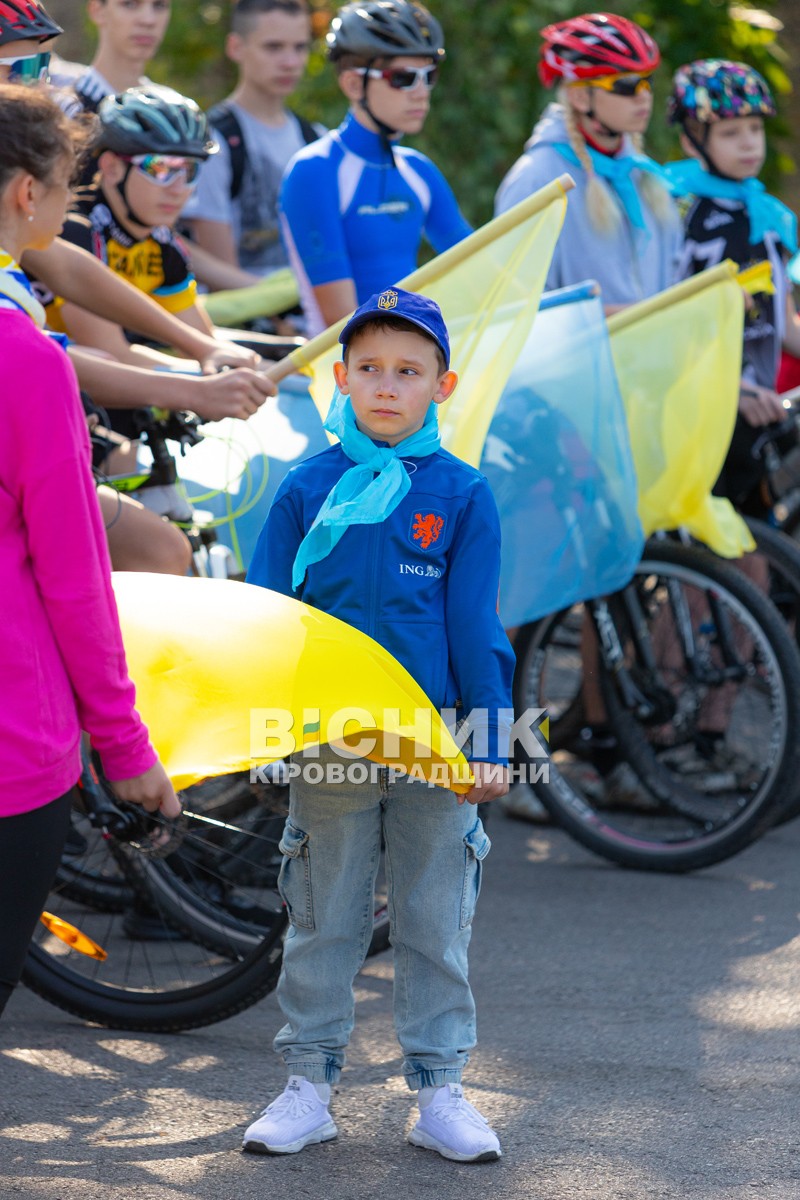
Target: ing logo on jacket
[(426, 529)]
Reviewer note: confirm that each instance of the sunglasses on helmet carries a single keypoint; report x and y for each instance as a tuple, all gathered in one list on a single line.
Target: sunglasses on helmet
[(164, 169), (29, 69), (403, 79), (623, 85)]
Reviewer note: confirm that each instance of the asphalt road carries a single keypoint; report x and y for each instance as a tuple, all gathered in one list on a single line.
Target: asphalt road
[(638, 1038)]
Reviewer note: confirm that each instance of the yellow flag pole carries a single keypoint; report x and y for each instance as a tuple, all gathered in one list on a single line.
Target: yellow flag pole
[(300, 359), (679, 291)]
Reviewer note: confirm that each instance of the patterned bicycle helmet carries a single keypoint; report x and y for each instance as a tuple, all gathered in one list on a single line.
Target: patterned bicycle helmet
[(24, 20), (594, 45), (385, 29), (153, 120), (713, 89)]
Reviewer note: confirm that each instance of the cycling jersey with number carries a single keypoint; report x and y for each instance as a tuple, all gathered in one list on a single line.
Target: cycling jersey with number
[(348, 211)]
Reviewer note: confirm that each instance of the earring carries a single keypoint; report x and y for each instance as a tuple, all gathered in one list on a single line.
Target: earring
[(30, 216)]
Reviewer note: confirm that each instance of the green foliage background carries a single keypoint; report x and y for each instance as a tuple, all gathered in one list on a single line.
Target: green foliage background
[(489, 95)]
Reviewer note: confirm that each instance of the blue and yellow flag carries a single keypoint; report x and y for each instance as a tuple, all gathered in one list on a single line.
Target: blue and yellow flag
[(230, 677), (678, 360), (488, 288)]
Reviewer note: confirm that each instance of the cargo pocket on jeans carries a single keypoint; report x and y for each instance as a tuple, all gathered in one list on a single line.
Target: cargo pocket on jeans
[(476, 847), (294, 877)]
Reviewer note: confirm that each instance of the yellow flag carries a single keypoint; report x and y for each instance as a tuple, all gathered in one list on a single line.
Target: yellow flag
[(757, 279), (678, 360), (230, 677), (488, 288)]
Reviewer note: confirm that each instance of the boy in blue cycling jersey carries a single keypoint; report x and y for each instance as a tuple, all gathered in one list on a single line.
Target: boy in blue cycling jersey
[(720, 107), (408, 551), (355, 204)]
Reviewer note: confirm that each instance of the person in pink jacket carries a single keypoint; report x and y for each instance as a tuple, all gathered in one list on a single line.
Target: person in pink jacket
[(62, 663)]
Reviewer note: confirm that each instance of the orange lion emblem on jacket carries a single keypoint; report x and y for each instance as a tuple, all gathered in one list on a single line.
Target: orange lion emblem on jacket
[(427, 528)]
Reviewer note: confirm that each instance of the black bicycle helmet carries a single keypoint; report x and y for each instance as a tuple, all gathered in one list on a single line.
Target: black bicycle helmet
[(385, 29), (25, 20), (153, 120)]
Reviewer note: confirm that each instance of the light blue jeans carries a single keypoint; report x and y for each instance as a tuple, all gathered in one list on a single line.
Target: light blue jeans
[(434, 853)]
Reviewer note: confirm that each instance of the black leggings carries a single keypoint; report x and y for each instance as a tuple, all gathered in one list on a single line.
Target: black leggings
[(30, 851)]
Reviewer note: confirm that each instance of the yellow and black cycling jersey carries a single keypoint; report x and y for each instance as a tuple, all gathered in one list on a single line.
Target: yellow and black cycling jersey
[(157, 265)]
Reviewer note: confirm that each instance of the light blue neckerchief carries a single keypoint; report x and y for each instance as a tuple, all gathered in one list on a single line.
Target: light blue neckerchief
[(767, 214), (616, 170), (369, 491)]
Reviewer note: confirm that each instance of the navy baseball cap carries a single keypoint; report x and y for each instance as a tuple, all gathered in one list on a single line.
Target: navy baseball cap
[(394, 302)]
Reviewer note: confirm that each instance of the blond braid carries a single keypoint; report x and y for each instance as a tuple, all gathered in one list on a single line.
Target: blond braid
[(601, 207), (653, 190)]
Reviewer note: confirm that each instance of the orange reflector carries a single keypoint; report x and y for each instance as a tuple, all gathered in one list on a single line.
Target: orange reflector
[(72, 937)]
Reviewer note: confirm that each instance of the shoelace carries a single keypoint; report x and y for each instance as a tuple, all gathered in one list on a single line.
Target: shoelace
[(291, 1104), (458, 1110)]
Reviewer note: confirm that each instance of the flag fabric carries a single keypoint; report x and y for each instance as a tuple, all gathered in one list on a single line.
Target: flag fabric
[(559, 461), (230, 677), (488, 288), (678, 361)]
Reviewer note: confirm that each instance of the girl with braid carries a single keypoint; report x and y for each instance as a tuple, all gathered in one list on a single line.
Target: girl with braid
[(621, 227)]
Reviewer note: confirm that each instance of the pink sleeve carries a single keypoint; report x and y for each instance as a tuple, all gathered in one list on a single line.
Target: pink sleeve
[(51, 475)]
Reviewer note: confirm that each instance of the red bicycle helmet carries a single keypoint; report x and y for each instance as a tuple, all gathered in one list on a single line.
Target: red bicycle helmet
[(593, 45), (25, 20)]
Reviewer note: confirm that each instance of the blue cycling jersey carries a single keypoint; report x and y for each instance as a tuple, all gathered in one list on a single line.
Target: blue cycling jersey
[(349, 212)]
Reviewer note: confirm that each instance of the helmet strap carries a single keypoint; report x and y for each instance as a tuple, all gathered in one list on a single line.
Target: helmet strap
[(706, 158), (385, 132), (122, 190), (602, 127)]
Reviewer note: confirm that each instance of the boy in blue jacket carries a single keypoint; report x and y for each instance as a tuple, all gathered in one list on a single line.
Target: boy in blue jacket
[(397, 537)]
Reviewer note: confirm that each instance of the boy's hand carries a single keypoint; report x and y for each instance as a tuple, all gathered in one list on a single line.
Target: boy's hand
[(152, 790), (760, 406), (491, 782)]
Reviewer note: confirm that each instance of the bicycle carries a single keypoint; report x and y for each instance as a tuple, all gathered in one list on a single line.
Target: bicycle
[(687, 633), (211, 886), (159, 488)]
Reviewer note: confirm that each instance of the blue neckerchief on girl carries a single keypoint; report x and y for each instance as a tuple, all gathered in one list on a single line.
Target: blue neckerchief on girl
[(766, 213), (616, 170), (369, 491), (16, 291)]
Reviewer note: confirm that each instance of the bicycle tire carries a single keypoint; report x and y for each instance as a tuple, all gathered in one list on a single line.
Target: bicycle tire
[(646, 840), (567, 716), (158, 975), (214, 954)]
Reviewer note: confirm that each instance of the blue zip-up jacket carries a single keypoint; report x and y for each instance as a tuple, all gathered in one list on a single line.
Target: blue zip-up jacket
[(350, 211), (423, 582)]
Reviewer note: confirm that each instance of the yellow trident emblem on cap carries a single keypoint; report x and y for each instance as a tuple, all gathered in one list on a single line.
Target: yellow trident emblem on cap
[(387, 299)]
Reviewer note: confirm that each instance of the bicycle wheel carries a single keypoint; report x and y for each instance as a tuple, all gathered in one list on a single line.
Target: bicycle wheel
[(203, 937), (782, 555), (674, 822), (565, 711), (203, 946), (207, 889)]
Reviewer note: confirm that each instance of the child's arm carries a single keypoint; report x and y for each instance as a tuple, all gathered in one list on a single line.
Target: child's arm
[(480, 654), (69, 271), (278, 543), (238, 393)]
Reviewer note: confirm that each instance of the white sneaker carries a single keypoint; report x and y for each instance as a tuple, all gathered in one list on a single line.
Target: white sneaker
[(456, 1130), (296, 1119)]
